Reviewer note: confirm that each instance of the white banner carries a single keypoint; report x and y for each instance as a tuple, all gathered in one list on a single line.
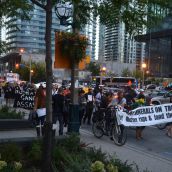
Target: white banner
[(146, 115)]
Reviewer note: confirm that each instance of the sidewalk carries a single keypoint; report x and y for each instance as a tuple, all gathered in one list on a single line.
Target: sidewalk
[(152, 162)]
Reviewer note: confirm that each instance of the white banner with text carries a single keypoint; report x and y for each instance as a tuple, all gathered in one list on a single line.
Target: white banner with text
[(146, 115)]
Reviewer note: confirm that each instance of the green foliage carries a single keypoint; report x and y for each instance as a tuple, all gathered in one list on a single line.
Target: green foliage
[(126, 73), (18, 9), (11, 168), (72, 45), (34, 155), (6, 113), (72, 144), (97, 166), (136, 15), (94, 68), (122, 166), (96, 155), (10, 152), (137, 74), (38, 74)]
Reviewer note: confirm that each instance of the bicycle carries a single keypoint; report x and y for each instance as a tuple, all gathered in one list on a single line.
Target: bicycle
[(117, 132)]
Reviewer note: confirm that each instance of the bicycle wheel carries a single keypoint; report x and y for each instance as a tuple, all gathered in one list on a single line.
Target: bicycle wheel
[(97, 129), (119, 135)]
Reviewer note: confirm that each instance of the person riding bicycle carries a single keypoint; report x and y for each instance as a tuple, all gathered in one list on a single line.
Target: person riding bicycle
[(117, 100)]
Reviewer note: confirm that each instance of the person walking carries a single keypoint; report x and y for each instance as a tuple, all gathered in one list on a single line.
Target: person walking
[(40, 109), (89, 106), (58, 105)]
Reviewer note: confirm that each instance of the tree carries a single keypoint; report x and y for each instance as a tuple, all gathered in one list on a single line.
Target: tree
[(130, 12), (138, 74), (12, 10), (37, 75), (94, 68), (126, 72)]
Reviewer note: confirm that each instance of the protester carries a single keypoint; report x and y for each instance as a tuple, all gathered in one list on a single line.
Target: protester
[(139, 130), (7, 93), (82, 105), (58, 104), (40, 109), (89, 106), (17, 93), (130, 95), (54, 90), (119, 100)]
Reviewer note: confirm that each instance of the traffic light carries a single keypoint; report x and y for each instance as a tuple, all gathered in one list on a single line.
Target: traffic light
[(17, 66)]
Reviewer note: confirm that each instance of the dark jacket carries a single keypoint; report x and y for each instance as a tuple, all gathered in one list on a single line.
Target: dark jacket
[(58, 103)]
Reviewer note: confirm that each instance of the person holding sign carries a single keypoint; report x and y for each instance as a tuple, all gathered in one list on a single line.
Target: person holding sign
[(139, 130), (40, 109)]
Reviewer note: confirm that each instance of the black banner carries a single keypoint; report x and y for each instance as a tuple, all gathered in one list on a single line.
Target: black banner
[(24, 99)]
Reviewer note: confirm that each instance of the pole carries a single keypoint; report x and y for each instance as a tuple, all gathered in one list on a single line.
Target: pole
[(30, 66), (74, 124), (143, 78)]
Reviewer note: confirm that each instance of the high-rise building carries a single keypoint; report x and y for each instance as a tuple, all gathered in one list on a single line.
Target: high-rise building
[(100, 45), (121, 49), (90, 32), (30, 34)]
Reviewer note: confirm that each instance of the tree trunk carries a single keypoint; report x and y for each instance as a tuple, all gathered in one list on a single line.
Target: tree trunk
[(48, 137)]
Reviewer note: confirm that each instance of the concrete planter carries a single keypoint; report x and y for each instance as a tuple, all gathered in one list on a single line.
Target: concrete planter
[(15, 124)]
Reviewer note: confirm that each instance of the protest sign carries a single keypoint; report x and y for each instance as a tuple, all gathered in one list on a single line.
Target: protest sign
[(146, 115), (25, 99)]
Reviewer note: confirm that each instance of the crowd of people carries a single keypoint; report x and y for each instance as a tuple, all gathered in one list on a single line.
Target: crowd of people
[(89, 103)]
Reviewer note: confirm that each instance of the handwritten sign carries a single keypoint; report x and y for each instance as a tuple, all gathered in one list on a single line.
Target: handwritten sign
[(25, 99)]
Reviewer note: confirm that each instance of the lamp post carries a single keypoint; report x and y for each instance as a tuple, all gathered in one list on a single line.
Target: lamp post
[(22, 51), (143, 68), (64, 11)]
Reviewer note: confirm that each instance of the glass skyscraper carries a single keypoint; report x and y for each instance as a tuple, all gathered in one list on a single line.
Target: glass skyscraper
[(30, 34)]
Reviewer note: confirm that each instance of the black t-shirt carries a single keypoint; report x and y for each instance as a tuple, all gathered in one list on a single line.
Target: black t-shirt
[(58, 103)]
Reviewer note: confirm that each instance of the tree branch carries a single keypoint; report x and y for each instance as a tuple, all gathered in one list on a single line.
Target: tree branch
[(38, 4)]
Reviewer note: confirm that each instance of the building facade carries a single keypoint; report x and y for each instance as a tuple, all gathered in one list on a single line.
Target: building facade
[(121, 48), (159, 49), (30, 34)]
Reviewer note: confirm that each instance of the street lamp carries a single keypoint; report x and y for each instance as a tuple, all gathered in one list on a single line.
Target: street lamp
[(64, 12), (22, 51), (143, 67)]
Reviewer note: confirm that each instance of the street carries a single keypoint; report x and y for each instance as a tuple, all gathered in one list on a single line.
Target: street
[(154, 152)]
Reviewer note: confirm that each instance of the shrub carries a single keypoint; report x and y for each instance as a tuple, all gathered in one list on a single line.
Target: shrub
[(122, 166), (71, 144), (10, 152), (6, 113), (34, 155), (97, 166), (96, 155)]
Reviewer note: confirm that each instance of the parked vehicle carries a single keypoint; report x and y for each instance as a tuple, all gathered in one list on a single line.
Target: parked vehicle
[(165, 98)]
